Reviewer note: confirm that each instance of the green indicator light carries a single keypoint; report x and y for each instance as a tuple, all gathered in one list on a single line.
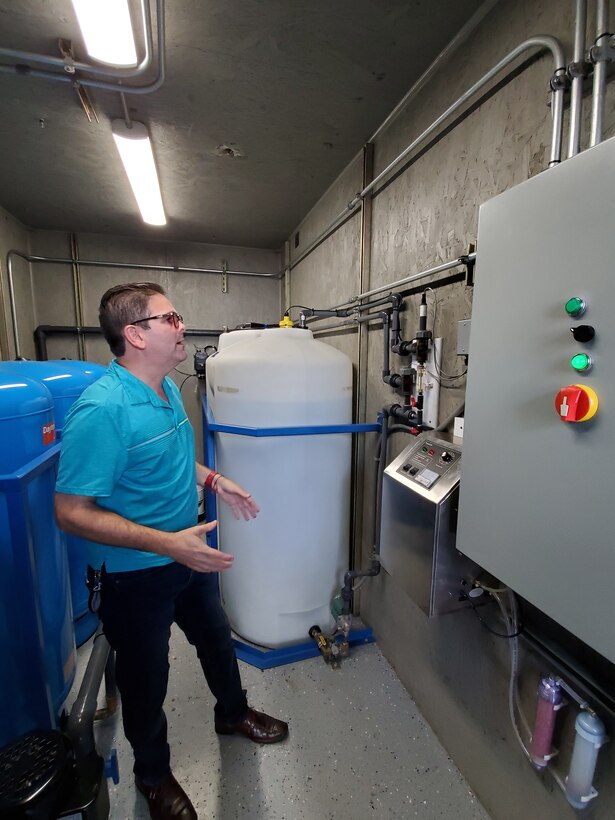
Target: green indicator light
[(581, 362), (575, 306)]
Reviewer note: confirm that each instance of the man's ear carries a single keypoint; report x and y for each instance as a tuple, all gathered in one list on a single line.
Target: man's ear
[(134, 336)]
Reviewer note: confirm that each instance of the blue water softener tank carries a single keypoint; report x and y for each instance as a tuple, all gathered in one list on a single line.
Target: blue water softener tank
[(36, 631), (66, 379)]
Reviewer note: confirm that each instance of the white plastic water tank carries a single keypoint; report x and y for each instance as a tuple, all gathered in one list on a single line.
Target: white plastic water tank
[(289, 561)]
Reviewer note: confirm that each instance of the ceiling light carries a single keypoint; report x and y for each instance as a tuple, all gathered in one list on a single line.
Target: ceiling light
[(136, 152), (107, 31)]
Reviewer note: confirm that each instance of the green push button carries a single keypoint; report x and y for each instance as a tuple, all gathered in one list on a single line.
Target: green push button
[(581, 362), (575, 306)]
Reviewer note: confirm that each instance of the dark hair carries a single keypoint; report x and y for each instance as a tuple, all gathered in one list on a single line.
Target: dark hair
[(120, 306)]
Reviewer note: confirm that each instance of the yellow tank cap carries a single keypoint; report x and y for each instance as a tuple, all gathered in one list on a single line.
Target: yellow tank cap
[(286, 321)]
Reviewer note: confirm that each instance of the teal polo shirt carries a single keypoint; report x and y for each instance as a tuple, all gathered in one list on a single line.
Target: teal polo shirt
[(132, 451)]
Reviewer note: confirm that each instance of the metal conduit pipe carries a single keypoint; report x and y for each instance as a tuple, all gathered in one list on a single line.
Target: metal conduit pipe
[(118, 73), (355, 322), (447, 52), (74, 252), (600, 58), (454, 263), (95, 263), (576, 69), (541, 42), (105, 86), (368, 317)]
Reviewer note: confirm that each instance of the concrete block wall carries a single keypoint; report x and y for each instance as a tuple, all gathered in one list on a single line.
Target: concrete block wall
[(424, 215)]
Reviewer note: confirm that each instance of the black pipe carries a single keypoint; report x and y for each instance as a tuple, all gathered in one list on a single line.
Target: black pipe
[(392, 379), (42, 331)]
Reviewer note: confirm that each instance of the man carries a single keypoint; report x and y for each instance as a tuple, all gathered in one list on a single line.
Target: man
[(127, 482)]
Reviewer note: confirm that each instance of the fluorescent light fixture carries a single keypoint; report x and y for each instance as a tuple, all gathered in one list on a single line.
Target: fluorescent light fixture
[(107, 31), (136, 153)]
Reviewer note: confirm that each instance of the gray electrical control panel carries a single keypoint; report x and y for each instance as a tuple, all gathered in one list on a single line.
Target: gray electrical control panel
[(418, 524), (537, 496)]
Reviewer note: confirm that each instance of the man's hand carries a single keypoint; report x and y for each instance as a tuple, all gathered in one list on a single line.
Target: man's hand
[(240, 501), (81, 515), (188, 548)]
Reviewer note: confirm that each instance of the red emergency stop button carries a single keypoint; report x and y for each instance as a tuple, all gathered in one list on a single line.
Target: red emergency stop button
[(576, 402)]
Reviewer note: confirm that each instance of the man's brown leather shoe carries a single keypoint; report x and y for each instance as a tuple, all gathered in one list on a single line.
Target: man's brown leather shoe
[(167, 800), (256, 726)]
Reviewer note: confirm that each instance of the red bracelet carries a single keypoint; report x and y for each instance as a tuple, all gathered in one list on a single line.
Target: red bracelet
[(211, 481)]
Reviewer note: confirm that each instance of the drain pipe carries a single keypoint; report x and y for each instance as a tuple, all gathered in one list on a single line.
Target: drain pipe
[(601, 54), (406, 415), (388, 412), (80, 726), (458, 411), (349, 577), (577, 71)]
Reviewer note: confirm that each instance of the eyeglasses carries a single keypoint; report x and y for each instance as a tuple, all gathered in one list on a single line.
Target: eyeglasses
[(171, 317)]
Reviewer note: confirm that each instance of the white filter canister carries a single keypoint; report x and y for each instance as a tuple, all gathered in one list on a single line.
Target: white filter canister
[(290, 560)]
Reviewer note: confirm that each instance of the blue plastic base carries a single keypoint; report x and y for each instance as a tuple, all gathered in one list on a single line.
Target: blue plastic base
[(268, 658)]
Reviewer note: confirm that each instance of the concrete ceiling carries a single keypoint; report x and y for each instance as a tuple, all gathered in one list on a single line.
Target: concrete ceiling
[(295, 87)]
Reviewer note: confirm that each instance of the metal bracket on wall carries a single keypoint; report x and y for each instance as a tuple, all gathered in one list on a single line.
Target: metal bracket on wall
[(224, 276)]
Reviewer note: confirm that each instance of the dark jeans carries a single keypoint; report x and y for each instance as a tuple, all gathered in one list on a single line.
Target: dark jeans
[(137, 610)]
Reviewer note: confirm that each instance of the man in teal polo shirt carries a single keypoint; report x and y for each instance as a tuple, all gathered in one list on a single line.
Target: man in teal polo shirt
[(127, 483)]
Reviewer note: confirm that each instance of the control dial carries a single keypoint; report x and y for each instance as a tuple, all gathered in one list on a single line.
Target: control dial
[(583, 333), (576, 402)]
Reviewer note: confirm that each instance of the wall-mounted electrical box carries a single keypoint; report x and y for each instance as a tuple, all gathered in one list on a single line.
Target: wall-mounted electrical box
[(537, 503), (420, 494)]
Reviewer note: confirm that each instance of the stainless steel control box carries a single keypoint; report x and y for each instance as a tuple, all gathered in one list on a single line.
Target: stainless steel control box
[(419, 521), (537, 499)]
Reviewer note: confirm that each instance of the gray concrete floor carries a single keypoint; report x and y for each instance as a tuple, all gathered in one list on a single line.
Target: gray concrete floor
[(358, 747)]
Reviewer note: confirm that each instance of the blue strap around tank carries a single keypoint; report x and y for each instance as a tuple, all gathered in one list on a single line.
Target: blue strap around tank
[(210, 427), (311, 430)]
